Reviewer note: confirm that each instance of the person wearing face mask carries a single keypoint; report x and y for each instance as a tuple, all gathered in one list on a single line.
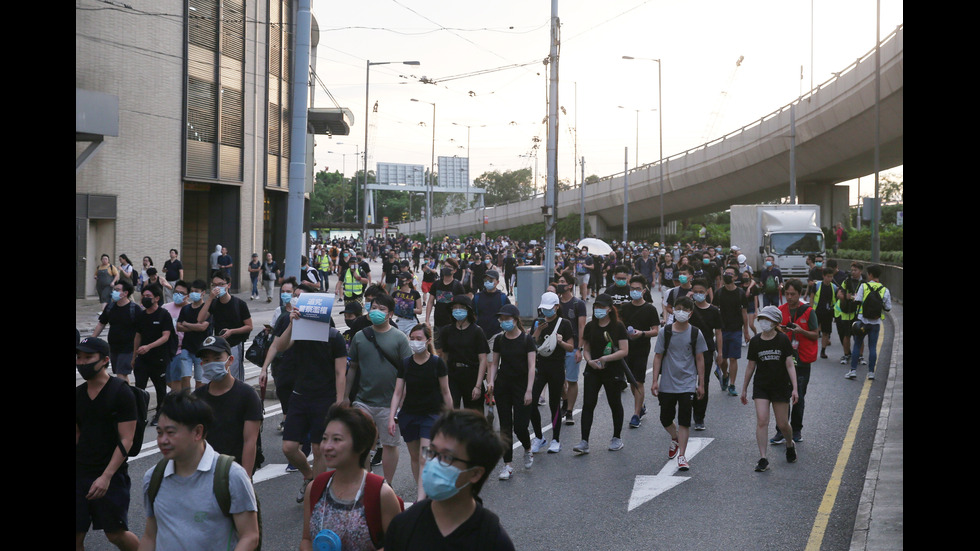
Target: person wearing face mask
[(463, 346), (574, 310), (815, 275), (707, 318), (678, 377), (770, 359), (771, 280), (514, 352), (232, 320), (685, 275), (642, 324), (278, 355), (801, 325), (601, 370), (619, 290), (488, 302), (237, 408), (667, 269), (105, 424), (550, 364), (732, 302), (270, 274), (120, 315), (442, 292), (151, 350), (463, 453), (421, 392), (194, 332), (181, 366)]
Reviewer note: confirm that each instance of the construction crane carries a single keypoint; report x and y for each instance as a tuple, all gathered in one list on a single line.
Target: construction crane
[(713, 117)]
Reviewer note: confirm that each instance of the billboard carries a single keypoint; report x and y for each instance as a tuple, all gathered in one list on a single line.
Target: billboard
[(454, 172), (400, 173)]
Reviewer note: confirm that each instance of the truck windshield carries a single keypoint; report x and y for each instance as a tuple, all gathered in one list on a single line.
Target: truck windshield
[(796, 243)]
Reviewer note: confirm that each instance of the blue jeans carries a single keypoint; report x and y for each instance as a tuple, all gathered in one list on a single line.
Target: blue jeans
[(873, 330), (255, 285)]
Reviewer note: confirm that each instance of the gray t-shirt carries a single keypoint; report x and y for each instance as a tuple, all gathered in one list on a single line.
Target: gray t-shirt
[(187, 513), (377, 374), (678, 371)]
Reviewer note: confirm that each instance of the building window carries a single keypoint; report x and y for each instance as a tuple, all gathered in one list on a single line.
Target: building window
[(280, 41)]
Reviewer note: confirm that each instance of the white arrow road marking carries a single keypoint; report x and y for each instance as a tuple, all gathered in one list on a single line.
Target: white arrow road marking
[(647, 487)]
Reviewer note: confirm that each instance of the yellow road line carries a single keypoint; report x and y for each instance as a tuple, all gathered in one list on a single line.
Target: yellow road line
[(833, 485)]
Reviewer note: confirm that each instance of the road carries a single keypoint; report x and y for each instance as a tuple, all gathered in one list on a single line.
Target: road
[(588, 502)]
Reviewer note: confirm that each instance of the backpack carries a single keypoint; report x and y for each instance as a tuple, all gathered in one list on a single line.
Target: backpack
[(669, 332), (372, 501), (220, 487), (873, 304), (312, 276), (142, 412)]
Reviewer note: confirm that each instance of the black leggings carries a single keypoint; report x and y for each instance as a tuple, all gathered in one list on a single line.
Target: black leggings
[(554, 377), (155, 371), (594, 381), (462, 380), (513, 415)]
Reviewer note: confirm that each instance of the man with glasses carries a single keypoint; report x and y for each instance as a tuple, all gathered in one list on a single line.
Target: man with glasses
[(232, 320)]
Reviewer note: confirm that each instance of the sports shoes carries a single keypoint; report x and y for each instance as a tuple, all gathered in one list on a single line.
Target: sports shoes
[(778, 439), (528, 459), (724, 382), (797, 436), (731, 390), (302, 490), (555, 447), (791, 455), (538, 444), (291, 469), (156, 419), (762, 466), (845, 359), (698, 426), (871, 375), (377, 459), (281, 427), (643, 411), (569, 420), (506, 472), (269, 299), (851, 374), (542, 401), (616, 444), (582, 447), (672, 450), (682, 463), (863, 361), (635, 422)]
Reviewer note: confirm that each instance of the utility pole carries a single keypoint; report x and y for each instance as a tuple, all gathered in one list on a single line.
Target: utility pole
[(551, 196)]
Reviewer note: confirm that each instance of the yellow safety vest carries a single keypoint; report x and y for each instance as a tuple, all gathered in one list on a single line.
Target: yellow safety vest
[(352, 286)]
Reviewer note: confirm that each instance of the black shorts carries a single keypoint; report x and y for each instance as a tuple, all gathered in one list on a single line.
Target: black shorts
[(307, 417), (772, 393), (825, 320), (844, 327), (108, 513), (682, 402), (638, 365)]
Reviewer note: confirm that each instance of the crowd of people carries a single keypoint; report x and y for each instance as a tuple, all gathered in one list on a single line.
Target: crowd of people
[(434, 366)]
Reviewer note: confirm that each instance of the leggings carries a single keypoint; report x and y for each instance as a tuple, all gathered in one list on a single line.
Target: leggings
[(513, 415), (155, 371), (462, 380), (594, 381), (554, 377)]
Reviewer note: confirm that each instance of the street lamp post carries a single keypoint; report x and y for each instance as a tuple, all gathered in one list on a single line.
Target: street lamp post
[(367, 109), (428, 195), (660, 109)]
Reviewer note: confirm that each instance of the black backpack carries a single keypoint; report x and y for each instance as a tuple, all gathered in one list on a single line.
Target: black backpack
[(669, 332), (873, 304), (142, 408)]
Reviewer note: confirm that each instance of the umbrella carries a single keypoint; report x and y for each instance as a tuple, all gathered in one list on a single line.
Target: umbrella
[(596, 246)]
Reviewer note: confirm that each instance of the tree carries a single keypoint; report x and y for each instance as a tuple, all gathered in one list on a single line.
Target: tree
[(330, 196), (591, 179), (504, 187), (890, 188)]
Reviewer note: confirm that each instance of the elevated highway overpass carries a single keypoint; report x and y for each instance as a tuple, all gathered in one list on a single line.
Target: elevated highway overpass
[(834, 143)]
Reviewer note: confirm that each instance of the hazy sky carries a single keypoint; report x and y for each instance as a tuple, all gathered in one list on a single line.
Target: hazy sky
[(704, 94)]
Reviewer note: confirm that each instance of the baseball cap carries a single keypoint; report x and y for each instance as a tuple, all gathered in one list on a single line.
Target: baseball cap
[(509, 310), (92, 344), (548, 300), (603, 300), (353, 307), (492, 274), (215, 344)]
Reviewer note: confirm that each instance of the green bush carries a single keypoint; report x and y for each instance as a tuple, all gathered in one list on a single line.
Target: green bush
[(894, 258)]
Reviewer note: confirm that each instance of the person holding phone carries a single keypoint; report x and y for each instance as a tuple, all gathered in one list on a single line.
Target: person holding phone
[(802, 328)]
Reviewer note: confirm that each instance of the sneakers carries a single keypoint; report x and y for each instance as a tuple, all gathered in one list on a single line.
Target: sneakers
[(682, 464), (845, 359), (528, 459), (616, 444), (377, 459), (698, 426), (569, 420), (291, 469), (302, 490), (862, 361), (506, 472), (851, 374), (871, 375), (281, 427), (791, 455), (778, 439), (724, 382), (582, 447), (797, 436), (635, 422), (538, 444), (672, 450), (555, 447), (542, 401), (269, 299), (762, 466), (156, 419), (731, 390), (643, 411)]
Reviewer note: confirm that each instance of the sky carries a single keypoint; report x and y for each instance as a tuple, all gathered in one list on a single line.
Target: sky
[(609, 104)]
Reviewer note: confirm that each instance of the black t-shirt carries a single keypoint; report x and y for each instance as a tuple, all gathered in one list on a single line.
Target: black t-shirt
[(513, 364), (443, 294), (97, 422), (707, 320), (620, 295), (241, 403), (151, 328), (424, 534), (677, 292), (571, 311), (172, 268), (565, 332), (230, 316), (462, 346), (732, 305), (770, 361), (193, 340), (667, 274), (641, 318), (390, 270), (595, 336), (423, 395), (284, 360), (314, 361), (122, 325)]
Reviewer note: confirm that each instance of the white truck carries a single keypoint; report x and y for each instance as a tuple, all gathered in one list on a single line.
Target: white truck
[(787, 232)]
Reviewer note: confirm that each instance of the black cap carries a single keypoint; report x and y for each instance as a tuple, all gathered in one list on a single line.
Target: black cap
[(492, 274), (353, 307), (92, 344), (215, 344), (603, 300), (404, 275), (509, 310), (464, 300)]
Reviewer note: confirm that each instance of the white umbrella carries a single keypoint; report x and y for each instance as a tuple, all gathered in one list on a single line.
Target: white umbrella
[(596, 246)]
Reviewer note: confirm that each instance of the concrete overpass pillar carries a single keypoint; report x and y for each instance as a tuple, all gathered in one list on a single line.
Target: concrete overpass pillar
[(596, 225), (831, 198)]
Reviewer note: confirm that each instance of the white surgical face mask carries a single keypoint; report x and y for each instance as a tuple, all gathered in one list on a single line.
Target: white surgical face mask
[(417, 346), (682, 315), (766, 325)]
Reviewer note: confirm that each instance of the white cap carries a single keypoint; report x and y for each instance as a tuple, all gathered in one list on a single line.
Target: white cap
[(549, 300), (741, 259)]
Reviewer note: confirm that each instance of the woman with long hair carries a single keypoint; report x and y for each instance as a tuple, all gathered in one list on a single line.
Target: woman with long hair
[(511, 381)]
